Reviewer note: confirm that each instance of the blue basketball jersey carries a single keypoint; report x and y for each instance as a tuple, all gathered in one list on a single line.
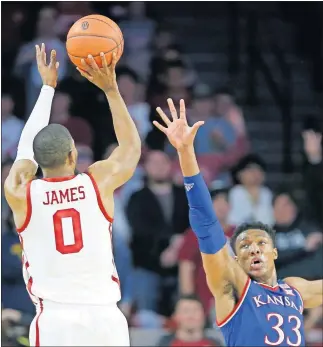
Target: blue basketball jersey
[(265, 316)]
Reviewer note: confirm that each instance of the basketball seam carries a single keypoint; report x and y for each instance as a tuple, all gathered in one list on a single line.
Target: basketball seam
[(116, 31), (100, 20), (90, 35), (77, 56)]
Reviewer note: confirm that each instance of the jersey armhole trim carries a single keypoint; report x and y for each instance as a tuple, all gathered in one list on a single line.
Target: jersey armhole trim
[(237, 305), (29, 210), (100, 202), (300, 296)]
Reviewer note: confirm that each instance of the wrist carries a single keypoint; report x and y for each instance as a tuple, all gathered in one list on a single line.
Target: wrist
[(50, 85), (112, 92), (186, 150)]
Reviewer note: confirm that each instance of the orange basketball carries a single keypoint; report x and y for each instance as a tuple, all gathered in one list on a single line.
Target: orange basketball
[(92, 35)]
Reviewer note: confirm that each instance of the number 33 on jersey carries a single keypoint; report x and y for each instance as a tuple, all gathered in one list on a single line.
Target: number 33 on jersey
[(278, 311), (59, 236)]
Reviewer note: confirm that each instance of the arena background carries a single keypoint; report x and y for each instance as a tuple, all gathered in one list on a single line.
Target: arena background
[(253, 72)]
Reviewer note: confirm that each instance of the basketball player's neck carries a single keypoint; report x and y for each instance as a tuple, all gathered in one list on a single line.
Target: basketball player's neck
[(268, 280), (59, 172)]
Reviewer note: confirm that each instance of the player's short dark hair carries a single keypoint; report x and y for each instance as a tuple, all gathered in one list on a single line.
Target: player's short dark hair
[(252, 226), (52, 145)]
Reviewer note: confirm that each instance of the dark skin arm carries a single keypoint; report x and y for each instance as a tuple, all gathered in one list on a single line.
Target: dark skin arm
[(121, 164), (223, 273), (24, 170), (311, 291)]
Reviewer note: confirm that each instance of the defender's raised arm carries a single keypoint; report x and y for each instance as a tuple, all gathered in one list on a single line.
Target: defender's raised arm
[(221, 269)]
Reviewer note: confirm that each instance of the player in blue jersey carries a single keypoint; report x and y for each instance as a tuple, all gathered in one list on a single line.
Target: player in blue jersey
[(253, 307)]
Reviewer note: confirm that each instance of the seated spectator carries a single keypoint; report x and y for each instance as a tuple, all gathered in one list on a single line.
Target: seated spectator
[(132, 93), (13, 287), (84, 157), (190, 323), (138, 32), (26, 66), (78, 127), (69, 13), (299, 242), (313, 174), (11, 128), (250, 200), (156, 213), (192, 279), (217, 133)]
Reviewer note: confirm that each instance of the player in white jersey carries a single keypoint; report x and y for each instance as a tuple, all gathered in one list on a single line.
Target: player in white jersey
[(64, 220)]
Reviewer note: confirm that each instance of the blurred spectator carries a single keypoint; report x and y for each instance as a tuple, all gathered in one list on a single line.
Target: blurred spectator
[(223, 101), (5, 209), (132, 93), (192, 279), (26, 66), (78, 127), (173, 81), (13, 287), (217, 134), (250, 200), (84, 157), (69, 13), (156, 213), (138, 32), (190, 322), (313, 175), (11, 128), (299, 242)]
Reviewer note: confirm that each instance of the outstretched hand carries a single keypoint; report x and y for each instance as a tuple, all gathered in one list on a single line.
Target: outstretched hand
[(178, 132), (104, 78), (48, 73)]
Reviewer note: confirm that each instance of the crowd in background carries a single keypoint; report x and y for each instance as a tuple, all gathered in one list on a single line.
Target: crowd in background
[(157, 257)]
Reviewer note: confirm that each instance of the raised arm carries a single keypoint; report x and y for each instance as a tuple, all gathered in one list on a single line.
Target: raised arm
[(311, 291), (222, 271), (24, 168), (120, 166)]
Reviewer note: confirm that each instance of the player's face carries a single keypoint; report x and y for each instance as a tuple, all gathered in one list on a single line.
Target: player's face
[(256, 254), (189, 314)]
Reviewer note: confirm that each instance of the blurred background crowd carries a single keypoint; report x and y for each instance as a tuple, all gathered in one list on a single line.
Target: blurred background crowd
[(253, 72)]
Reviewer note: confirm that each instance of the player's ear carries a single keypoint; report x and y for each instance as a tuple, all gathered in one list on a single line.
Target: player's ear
[(275, 253)]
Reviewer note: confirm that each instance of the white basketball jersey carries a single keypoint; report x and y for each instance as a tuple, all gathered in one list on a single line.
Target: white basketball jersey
[(67, 243)]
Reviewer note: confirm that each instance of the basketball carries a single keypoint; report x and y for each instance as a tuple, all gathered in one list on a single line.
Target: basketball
[(92, 35)]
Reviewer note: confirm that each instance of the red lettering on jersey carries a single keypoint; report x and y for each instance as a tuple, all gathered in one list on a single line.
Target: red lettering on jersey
[(47, 199), (73, 194), (54, 198), (67, 195), (64, 196), (81, 192)]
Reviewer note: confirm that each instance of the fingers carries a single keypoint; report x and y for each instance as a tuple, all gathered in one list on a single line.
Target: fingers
[(159, 126), (114, 60), (163, 116), (196, 127), (53, 60), (104, 62), (172, 108), (85, 74), (43, 54), (182, 109), (93, 63), (85, 66)]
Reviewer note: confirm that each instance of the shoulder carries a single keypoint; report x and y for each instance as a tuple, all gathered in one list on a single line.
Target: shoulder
[(166, 340), (237, 191)]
